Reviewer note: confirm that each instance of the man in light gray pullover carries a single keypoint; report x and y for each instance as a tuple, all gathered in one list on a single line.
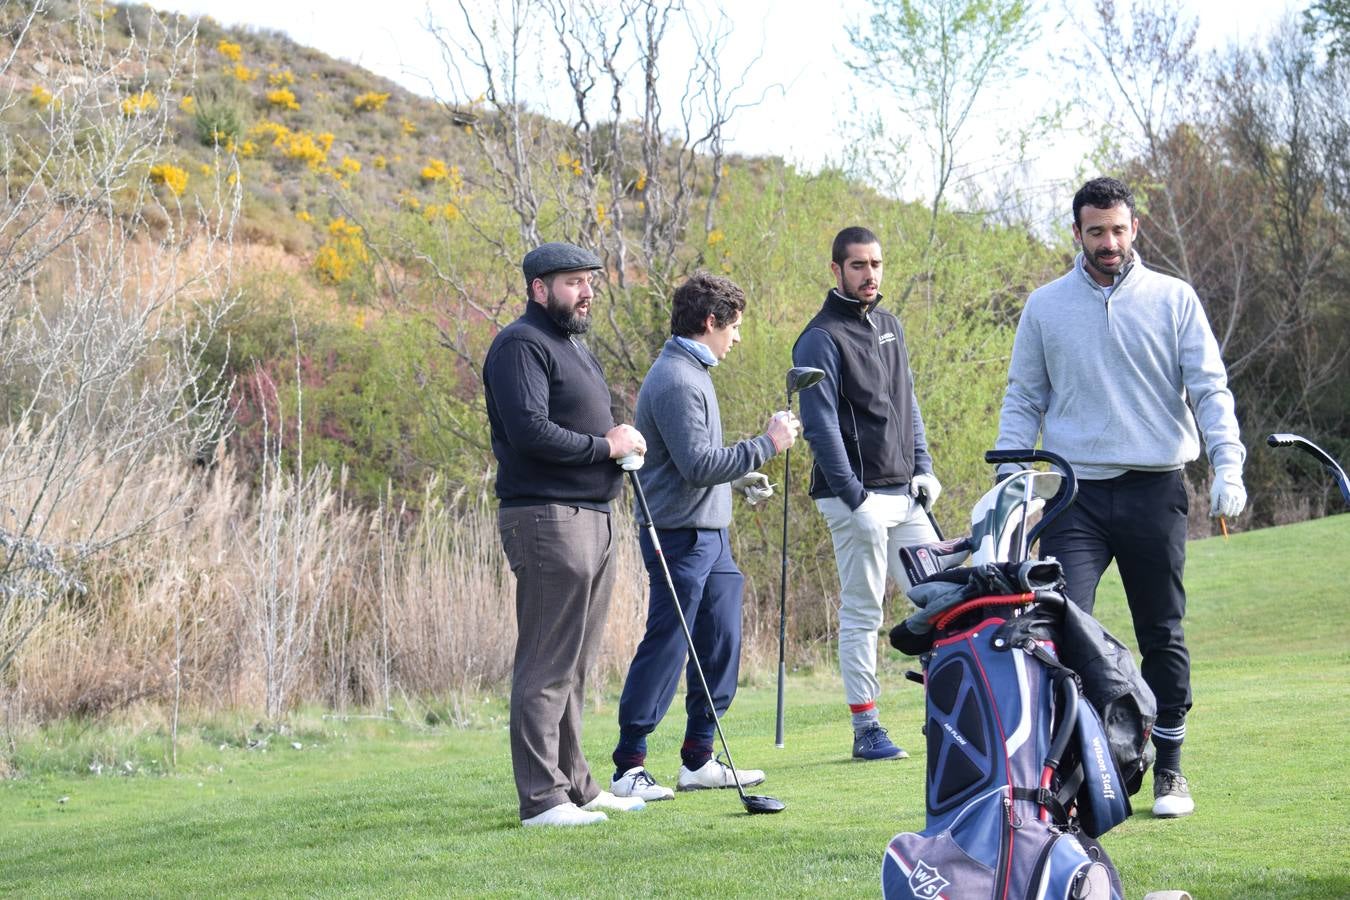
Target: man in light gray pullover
[(688, 478), (1105, 362)]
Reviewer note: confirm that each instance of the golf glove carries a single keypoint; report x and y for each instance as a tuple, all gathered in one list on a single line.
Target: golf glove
[(631, 463), (1227, 496), (925, 483), (755, 486)]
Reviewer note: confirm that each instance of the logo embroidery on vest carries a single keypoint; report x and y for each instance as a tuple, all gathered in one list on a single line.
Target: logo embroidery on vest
[(887, 338)]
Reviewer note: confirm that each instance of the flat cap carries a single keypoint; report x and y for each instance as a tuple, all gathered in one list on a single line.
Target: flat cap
[(556, 257)]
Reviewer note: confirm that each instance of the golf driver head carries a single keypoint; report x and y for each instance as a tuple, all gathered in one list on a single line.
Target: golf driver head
[(757, 805), (799, 378)]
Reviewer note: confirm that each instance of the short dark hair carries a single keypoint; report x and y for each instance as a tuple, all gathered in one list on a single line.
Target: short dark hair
[(1102, 193), (854, 234), (703, 295)]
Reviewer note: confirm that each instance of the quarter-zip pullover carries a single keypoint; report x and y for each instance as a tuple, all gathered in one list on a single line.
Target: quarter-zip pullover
[(1106, 382)]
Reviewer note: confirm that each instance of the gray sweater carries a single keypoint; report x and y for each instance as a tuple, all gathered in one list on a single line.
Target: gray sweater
[(1105, 383), (687, 470)]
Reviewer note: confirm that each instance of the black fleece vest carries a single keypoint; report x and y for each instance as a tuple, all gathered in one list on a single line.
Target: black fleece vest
[(876, 395)]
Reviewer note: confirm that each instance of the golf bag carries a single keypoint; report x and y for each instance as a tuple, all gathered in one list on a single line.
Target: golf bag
[(1022, 776)]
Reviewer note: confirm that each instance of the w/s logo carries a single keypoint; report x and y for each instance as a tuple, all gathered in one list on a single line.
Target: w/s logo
[(925, 881)]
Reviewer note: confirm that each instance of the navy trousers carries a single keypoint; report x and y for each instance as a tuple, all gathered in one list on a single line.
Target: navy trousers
[(1139, 520), (709, 586)]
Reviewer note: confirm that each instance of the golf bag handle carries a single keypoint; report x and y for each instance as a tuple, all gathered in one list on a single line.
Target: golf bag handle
[(1068, 492)]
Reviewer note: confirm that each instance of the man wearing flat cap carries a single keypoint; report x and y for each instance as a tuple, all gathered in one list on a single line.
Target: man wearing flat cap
[(555, 441)]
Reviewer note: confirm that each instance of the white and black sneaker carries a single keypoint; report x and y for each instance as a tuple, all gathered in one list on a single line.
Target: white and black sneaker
[(1171, 795), (715, 774), (638, 782)]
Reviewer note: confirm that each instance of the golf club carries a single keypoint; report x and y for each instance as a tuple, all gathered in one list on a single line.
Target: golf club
[(1333, 468), (753, 804), (922, 500), (799, 378)]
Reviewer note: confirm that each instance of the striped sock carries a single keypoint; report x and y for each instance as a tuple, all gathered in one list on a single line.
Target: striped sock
[(1168, 741), (864, 715)]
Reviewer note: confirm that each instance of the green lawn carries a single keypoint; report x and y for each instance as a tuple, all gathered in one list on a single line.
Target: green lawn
[(377, 808)]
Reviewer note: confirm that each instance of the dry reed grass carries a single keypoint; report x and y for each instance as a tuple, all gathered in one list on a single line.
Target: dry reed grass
[(385, 609)]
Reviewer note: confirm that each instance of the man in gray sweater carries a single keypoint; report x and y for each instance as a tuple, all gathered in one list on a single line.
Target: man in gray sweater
[(688, 478), (1113, 366)]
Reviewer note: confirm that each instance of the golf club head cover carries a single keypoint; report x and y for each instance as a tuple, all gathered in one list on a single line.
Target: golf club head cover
[(923, 561)]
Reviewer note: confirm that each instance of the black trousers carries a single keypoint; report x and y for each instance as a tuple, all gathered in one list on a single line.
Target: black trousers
[(1139, 520)]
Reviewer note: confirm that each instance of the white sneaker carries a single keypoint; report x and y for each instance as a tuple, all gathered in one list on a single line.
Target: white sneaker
[(606, 800), (565, 814), (638, 782), (1171, 795), (715, 774)]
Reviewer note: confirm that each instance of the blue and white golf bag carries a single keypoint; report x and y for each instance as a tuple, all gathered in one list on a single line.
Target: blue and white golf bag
[(1021, 775)]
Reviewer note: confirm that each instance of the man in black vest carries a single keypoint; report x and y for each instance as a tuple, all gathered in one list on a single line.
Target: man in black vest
[(872, 477), (555, 441)]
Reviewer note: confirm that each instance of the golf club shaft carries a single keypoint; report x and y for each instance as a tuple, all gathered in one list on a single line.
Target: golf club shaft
[(684, 626), (782, 593)]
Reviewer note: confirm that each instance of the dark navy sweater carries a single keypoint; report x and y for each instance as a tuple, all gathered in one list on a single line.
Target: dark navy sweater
[(549, 408)]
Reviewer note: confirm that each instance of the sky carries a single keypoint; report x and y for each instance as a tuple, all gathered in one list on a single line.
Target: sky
[(809, 107)]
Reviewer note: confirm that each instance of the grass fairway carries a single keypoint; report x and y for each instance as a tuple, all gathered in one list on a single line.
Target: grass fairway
[(374, 808)]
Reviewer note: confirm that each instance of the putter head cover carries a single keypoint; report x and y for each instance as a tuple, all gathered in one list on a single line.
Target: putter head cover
[(630, 463)]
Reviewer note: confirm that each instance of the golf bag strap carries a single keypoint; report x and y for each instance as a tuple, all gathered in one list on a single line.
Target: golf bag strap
[(980, 602), (1045, 798)]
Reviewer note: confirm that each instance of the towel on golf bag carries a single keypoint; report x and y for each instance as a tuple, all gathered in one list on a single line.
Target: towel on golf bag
[(1110, 679), (978, 856), (944, 591)]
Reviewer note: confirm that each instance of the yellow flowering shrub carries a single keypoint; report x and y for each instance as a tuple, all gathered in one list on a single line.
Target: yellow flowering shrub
[(435, 170), (408, 200), (641, 183), (325, 139), (243, 73), (434, 211), (188, 105), (136, 104), (248, 148), (349, 166), (715, 237), (568, 161), (379, 161), (370, 101), (41, 96), (303, 215), (282, 97), (284, 78), (342, 253), (232, 52), (172, 177), (205, 170), (408, 126)]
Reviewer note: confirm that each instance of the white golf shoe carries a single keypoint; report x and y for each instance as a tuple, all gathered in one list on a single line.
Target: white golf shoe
[(565, 814), (1171, 795), (606, 800), (638, 782), (715, 774)]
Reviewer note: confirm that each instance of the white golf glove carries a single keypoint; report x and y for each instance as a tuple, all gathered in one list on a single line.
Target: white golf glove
[(1227, 496), (755, 486), (927, 484), (632, 462)]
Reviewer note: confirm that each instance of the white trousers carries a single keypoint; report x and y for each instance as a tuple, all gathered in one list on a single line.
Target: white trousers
[(867, 544)]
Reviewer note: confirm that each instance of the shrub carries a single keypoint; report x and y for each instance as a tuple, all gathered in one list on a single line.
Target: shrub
[(342, 254), (172, 177), (370, 101), (217, 124), (231, 51), (142, 102), (282, 97)]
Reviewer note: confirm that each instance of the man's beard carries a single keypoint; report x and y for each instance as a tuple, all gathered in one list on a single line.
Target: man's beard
[(567, 319)]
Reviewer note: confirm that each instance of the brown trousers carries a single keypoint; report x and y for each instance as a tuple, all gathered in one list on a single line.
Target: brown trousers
[(562, 559)]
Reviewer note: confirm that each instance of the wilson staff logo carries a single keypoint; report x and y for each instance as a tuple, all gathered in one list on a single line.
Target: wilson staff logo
[(926, 882)]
